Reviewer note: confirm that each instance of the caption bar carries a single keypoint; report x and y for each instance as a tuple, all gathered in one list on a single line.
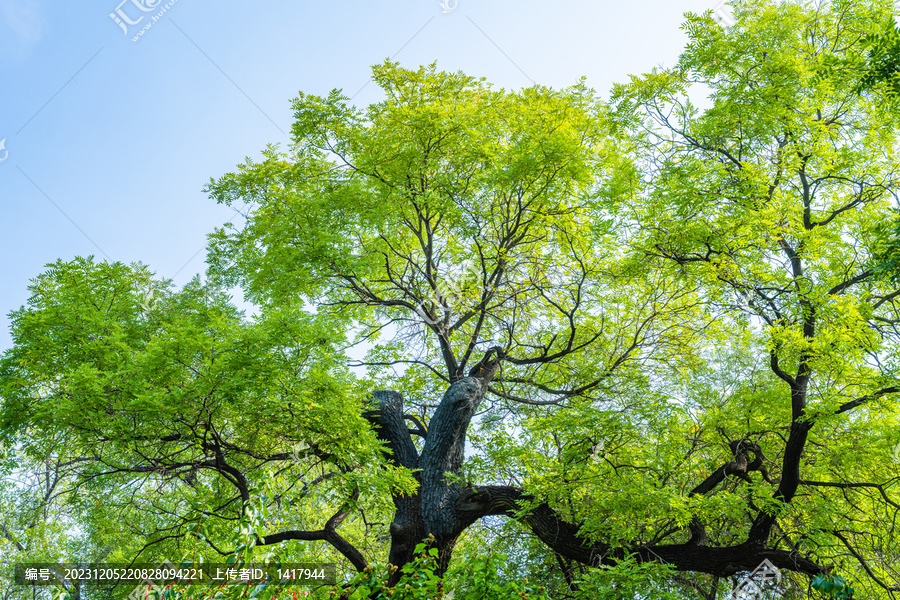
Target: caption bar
[(307, 574)]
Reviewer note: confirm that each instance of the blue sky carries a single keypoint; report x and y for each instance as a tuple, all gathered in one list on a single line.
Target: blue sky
[(108, 142)]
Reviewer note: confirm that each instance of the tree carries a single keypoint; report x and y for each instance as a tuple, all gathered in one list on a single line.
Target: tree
[(654, 336), (33, 527), (465, 218), (774, 198)]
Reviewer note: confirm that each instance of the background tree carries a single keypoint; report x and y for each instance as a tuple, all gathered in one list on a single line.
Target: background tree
[(772, 199), (157, 405)]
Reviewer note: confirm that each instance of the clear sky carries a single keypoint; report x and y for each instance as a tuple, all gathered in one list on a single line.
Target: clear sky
[(107, 142)]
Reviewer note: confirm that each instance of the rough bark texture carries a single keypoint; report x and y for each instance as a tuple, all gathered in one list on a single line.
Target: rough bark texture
[(407, 528), (433, 509)]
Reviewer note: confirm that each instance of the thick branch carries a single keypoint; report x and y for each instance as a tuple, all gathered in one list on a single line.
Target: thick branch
[(739, 467), (10, 537), (388, 420), (790, 480), (328, 534), (443, 453), (564, 538), (863, 399)]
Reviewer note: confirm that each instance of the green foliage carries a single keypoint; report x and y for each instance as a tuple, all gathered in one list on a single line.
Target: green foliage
[(872, 64), (474, 577), (629, 580), (140, 389), (882, 59), (772, 185), (886, 249), (833, 587)]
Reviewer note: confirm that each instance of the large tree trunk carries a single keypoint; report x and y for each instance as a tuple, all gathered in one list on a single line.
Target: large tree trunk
[(433, 509)]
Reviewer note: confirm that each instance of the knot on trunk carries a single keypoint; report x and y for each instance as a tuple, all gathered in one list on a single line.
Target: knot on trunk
[(490, 500), (742, 463), (472, 500), (488, 366)]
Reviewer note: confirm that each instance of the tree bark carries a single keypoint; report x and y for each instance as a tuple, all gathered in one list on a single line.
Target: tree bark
[(433, 509)]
